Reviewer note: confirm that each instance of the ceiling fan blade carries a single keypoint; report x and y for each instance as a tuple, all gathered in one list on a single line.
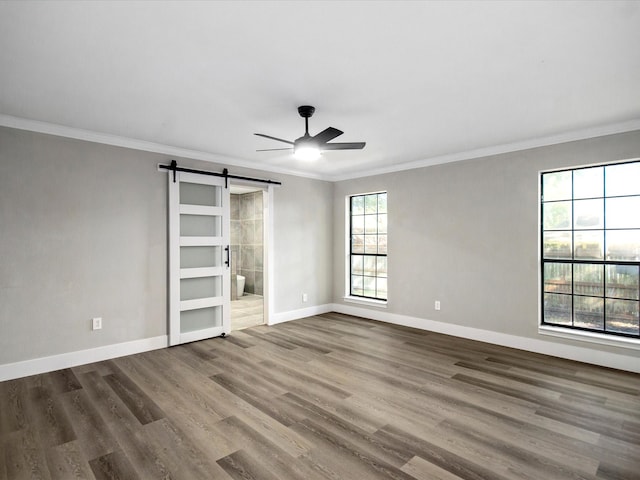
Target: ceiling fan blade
[(343, 146), (273, 138), (273, 149), (327, 134)]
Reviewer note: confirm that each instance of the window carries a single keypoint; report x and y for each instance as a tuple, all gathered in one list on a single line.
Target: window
[(590, 240), (368, 246)]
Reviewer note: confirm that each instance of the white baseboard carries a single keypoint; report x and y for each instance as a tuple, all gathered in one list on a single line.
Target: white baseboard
[(66, 360), (556, 349), (301, 313)]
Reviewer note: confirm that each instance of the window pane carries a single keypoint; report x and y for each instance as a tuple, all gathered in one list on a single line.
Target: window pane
[(622, 179), (371, 223), (557, 245), (588, 279), (357, 244), (370, 266), (382, 244), (382, 223), (556, 216), (556, 186), (357, 224), (557, 277), (369, 286), (622, 316), (357, 205), (382, 203), (623, 245), (623, 212), (381, 288), (589, 245), (370, 244), (557, 308), (371, 204), (588, 214), (381, 266), (357, 264), (622, 281), (356, 285), (588, 312), (588, 182)]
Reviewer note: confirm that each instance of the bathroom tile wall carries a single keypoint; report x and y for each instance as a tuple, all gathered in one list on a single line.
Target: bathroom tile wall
[(235, 242), (247, 240)]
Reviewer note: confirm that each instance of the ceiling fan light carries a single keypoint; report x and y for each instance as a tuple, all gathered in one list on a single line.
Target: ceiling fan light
[(307, 153)]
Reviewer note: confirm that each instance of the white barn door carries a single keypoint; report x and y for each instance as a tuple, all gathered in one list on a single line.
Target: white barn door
[(199, 256)]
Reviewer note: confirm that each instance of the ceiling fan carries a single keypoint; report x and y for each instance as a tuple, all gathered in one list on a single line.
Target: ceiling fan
[(308, 147)]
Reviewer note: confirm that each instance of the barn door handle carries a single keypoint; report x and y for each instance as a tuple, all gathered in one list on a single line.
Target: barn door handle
[(228, 262)]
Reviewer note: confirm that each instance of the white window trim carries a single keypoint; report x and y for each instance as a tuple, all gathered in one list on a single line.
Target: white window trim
[(569, 333), (372, 302), (591, 337), (347, 260)]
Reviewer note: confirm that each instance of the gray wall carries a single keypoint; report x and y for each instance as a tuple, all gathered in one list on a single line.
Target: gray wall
[(83, 234), (303, 244), (466, 234)]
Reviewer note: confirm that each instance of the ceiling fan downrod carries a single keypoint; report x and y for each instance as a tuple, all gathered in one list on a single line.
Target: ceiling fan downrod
[(306, 111)]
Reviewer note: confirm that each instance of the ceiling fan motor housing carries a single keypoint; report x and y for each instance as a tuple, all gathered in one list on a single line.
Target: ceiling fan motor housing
[(306, 141), (306, 111)]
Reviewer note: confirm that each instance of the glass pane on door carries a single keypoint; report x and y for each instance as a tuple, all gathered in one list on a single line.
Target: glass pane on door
[(199, 194), (200, 226), (205, 287), (200, 319), (198, 257)]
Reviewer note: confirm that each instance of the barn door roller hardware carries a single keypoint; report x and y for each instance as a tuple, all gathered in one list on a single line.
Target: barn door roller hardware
[(173, 167)]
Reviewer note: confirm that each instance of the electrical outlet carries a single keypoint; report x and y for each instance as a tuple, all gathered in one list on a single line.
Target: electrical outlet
[(96, 323), (305, 297), (437, 305)]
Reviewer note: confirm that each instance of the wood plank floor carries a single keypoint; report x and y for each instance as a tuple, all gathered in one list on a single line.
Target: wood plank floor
[(327, 397)]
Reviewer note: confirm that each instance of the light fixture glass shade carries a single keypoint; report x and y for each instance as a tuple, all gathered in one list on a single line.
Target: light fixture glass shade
[(307, 152)]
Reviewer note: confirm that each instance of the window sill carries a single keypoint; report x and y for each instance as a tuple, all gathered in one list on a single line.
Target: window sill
[(600, 338), (366, 301)]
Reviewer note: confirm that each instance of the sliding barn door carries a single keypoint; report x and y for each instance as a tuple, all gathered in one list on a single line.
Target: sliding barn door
[(199, 274)]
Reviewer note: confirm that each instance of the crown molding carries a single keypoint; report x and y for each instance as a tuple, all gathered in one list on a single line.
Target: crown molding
[(126, 142), (565, 137), (143, 145)]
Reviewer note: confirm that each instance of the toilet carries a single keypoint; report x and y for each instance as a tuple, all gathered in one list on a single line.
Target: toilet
[(240, 285)]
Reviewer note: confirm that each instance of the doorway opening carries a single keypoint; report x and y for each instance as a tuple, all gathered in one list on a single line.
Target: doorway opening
[(248, 255)]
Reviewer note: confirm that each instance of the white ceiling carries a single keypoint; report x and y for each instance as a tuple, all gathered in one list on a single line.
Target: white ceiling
[(420, 82)]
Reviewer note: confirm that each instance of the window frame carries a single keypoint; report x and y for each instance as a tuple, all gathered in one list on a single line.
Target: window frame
[(349, 295), (597, 335)]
